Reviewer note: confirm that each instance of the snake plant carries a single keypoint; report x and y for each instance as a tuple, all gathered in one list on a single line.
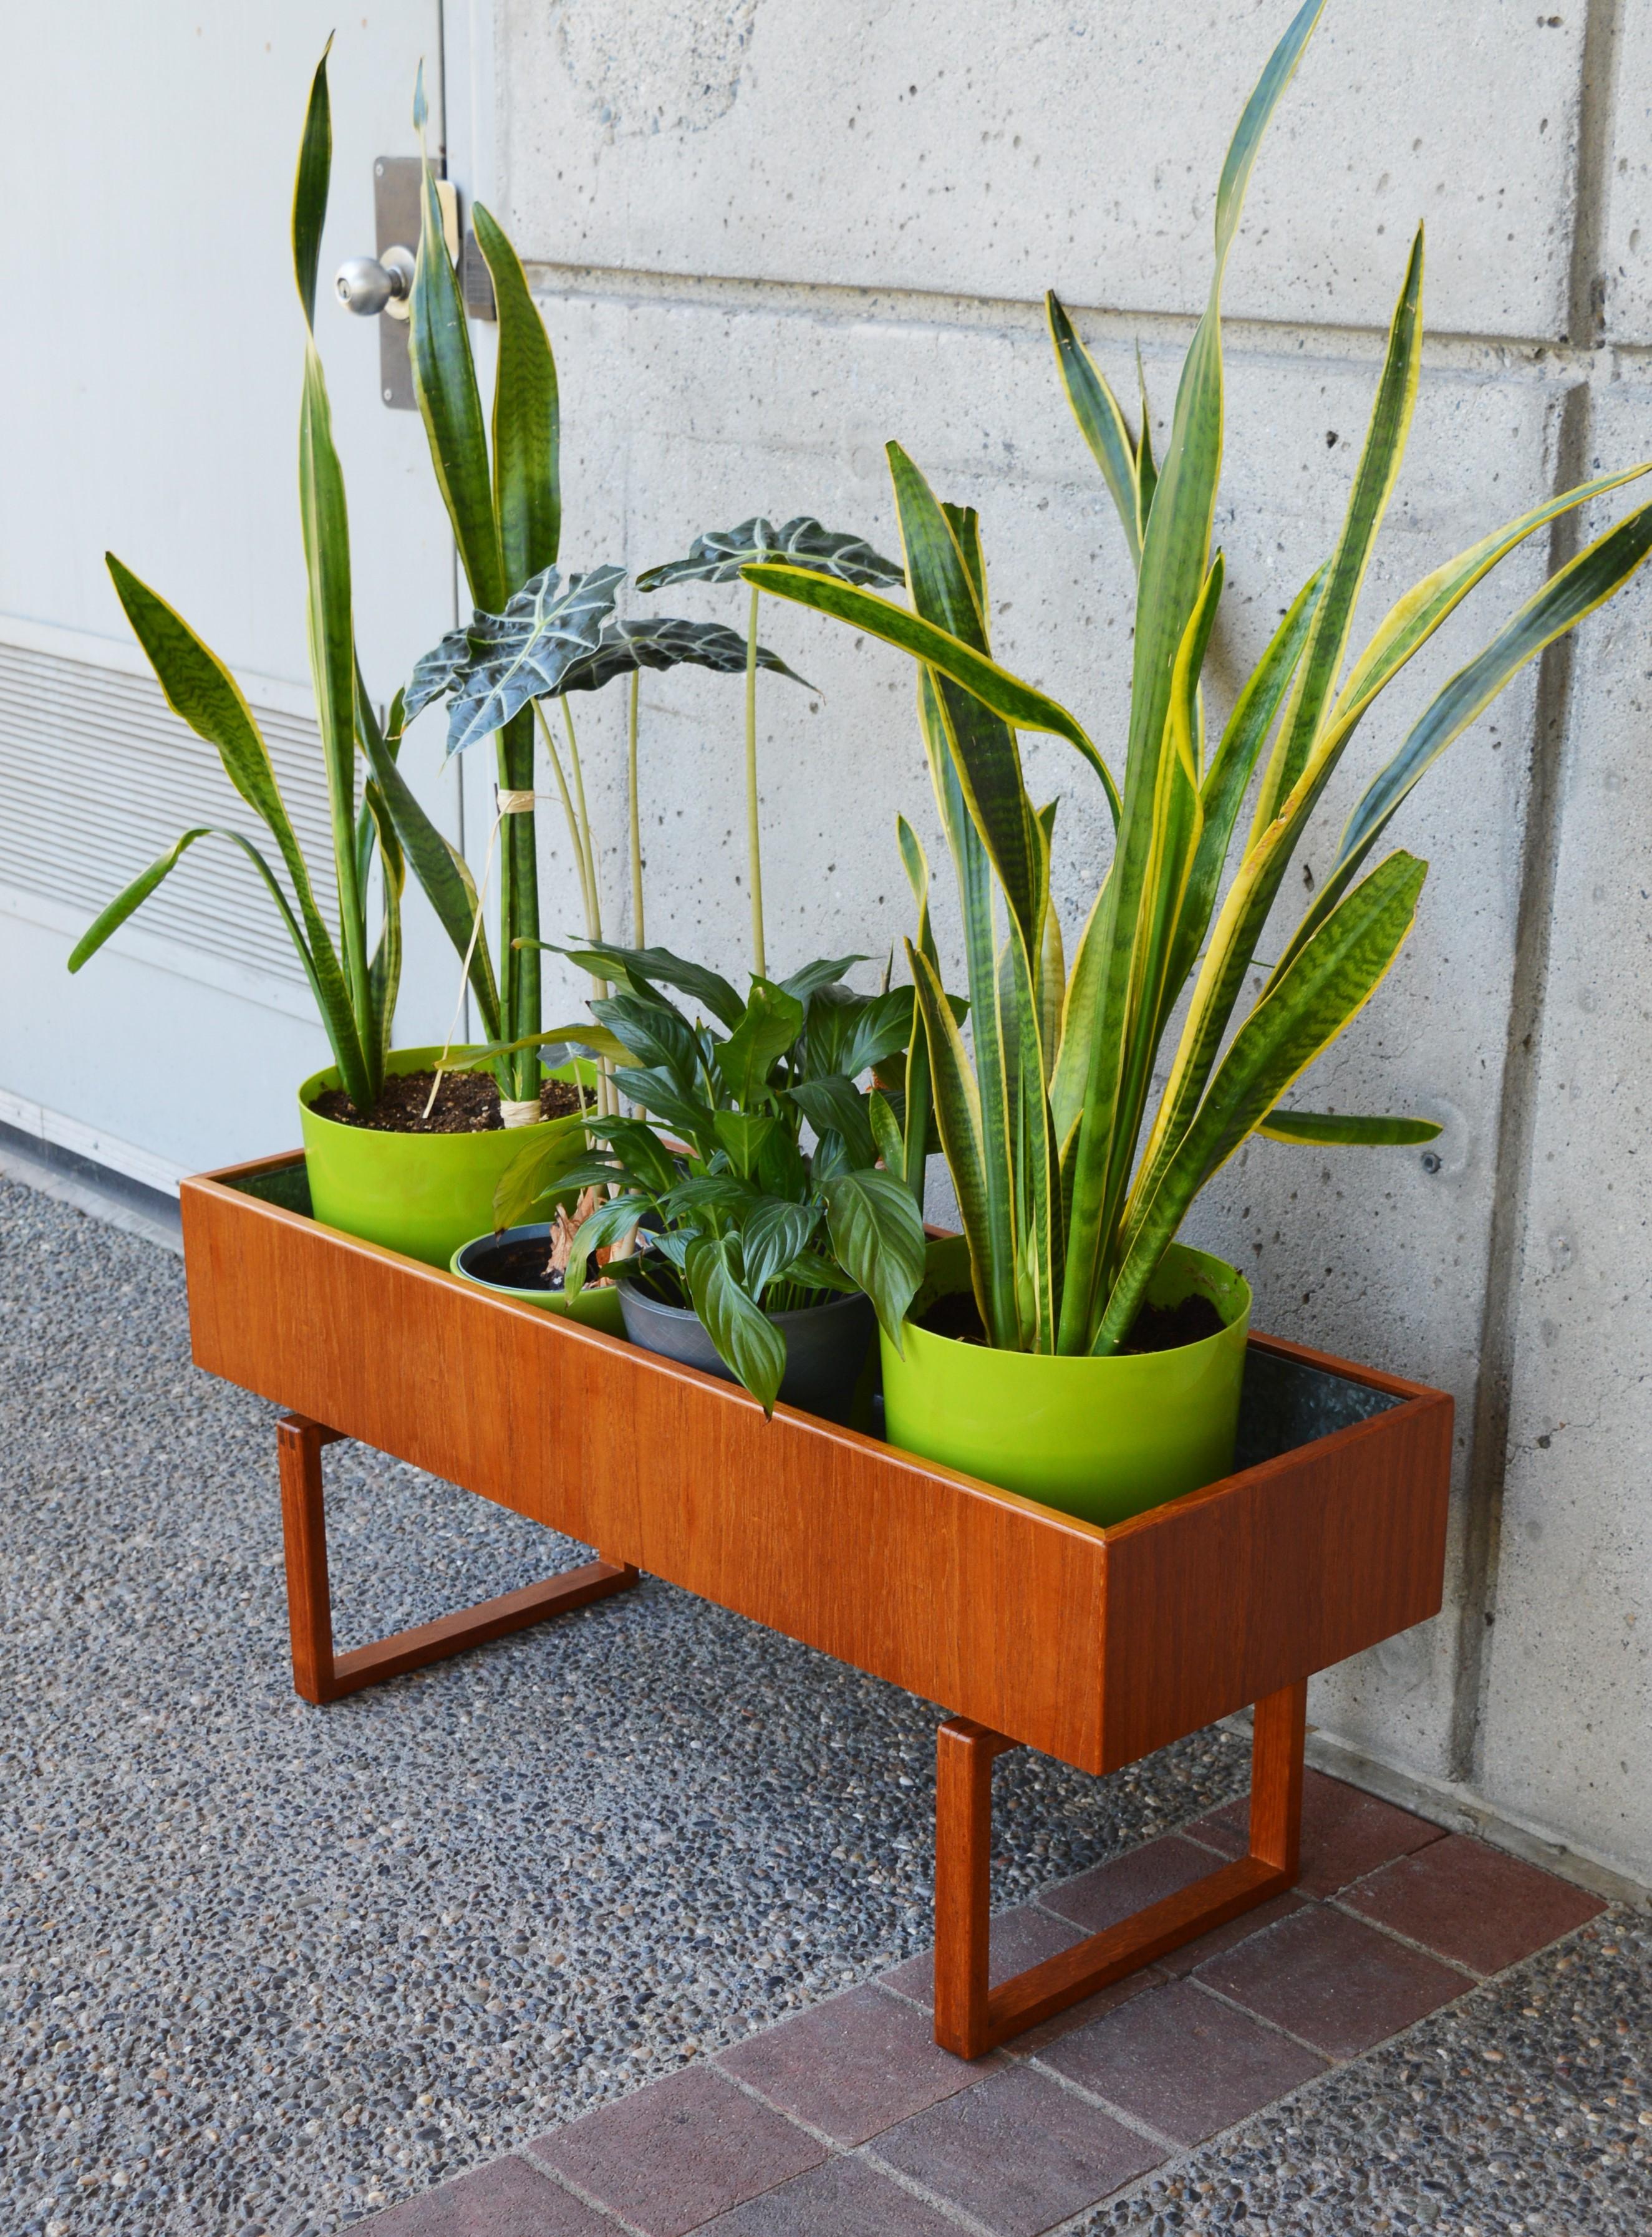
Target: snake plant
[(1071, 1180)]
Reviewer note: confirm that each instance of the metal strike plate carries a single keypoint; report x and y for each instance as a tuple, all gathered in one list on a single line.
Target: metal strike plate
[(396, 213)]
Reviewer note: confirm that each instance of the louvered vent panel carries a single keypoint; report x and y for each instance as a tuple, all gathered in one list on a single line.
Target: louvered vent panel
[(98, 777)]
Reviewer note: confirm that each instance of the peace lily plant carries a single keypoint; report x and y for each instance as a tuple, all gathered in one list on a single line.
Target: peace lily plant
[(1073, 1178), (720, 1209)]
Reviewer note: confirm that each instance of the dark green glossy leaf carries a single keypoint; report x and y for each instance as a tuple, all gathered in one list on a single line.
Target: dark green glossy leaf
[(773, 1234), (444, 377), (443, 874), (607, 1224), (1311, 1001), (885, 1132), (1100, 422), (1330, 1131), (743, 1134), (527, 483), (836, 1105), (1373, 485), (310, 187), (882, 1030), (656, 1035), (878, 1239), (657, 1092), (748, 1343), (832, 1017), (644, 1154), (781, 1170), (815, 977), (707, 1197), (810, 1270), (771, 1022), (650, 965), (546, 1168)]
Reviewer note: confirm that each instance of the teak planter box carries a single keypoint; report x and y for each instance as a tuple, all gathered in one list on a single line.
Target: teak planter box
[(1094, 1645)]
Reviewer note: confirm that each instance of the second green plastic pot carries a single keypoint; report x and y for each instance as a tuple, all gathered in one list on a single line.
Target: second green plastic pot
[(422, 1194), (1100, 1438)]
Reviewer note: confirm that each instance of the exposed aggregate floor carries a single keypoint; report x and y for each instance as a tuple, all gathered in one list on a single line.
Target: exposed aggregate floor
[(265, 1969), (1523, 2111)]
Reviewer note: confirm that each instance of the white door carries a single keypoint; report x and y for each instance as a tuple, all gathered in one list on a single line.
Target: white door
[(149, 405)]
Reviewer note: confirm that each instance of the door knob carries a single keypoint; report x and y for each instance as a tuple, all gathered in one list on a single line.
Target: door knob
[(367, 285)]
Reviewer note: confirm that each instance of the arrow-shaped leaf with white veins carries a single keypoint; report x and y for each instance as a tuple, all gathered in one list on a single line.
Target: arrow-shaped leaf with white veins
[(526, 651), (718, 555), (668, 643)]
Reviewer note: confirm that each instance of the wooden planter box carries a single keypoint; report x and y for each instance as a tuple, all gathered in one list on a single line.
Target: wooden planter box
[(1094, 1645)]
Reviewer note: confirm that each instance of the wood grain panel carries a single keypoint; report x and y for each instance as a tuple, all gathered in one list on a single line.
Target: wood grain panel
[(1240, 1589), (967, 1596)]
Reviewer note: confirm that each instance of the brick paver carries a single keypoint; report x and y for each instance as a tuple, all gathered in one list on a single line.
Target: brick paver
[(1128, 1884), (1184, 2062), (506, 2198), (680, 2152), (845, 2198), (850, 2066), (1018, 2152), (1334, 1980), (1473, 1903), (1021, 1937), (1345, 1833)]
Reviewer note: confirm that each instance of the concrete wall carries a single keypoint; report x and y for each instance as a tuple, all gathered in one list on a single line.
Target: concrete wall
[(768, 235)]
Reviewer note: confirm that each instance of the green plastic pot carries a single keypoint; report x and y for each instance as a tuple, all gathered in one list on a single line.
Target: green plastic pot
[(596, 1308), (1099, 1438), (425, 1194)]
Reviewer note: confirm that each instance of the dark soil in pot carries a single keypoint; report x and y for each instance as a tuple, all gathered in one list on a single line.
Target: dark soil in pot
[(514, 1261), (1157, 1327), (468, 1104), (517, 1264)]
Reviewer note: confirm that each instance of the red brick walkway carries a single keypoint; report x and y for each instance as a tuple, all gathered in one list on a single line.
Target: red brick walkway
[(848, 2121)]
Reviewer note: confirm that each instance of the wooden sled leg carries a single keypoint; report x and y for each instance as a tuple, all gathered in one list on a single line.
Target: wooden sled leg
[(971, 2018), (319, 1675)]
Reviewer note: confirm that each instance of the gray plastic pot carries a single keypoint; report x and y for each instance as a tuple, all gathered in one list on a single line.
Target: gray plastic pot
[(826, 1346)]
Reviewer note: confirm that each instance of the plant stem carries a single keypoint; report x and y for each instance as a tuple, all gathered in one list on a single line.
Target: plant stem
[(753, 848), (607, 1096), (519, 907), (607, 1101), (567, 797), (637, 937), (593, 905)]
